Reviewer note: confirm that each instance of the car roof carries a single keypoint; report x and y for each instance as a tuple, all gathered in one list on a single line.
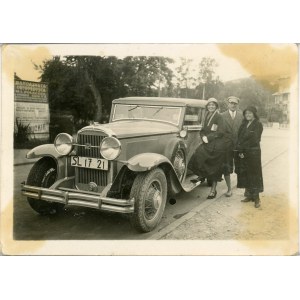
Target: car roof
[(162, 101)]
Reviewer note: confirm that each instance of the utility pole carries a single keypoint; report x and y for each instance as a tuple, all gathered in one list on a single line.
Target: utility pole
[(186, 88), (159, 76)]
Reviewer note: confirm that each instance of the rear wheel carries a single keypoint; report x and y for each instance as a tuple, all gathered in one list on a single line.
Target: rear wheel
[(149, 190), (43, 174), (179, 164)]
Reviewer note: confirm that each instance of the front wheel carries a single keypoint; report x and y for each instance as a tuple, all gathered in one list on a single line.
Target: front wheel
[(43, 174), (149, 190)]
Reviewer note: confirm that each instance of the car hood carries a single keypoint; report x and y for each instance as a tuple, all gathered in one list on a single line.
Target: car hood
[(123, 129)]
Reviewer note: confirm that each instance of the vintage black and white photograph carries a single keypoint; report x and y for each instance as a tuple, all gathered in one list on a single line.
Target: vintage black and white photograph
[(147, 149)]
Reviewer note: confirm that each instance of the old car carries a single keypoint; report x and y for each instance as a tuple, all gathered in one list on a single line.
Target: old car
[(130, 165)]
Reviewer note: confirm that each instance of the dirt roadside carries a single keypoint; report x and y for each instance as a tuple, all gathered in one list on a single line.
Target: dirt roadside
[(230, 219)]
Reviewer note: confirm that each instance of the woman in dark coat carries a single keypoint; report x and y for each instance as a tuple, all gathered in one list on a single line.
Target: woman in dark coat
[(208, 159), (249, 170)]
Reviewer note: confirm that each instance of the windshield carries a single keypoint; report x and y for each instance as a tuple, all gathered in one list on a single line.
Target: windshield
[(147, 112)]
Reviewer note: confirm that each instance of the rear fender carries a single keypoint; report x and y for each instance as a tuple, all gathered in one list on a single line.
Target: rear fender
[(148, 161), (176, 143)]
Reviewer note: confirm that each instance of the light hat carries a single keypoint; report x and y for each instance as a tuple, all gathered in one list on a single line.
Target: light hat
[(214, 100), (233, 99)]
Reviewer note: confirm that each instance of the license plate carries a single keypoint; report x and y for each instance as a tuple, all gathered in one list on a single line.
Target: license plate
[(89, 162)]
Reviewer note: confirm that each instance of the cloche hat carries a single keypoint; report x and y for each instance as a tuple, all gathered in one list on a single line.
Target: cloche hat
[(252, 109), (214, 100)]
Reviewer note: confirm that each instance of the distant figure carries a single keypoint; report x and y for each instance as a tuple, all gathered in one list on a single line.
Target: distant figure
[(208, 159), (232, 119), (249, 170)]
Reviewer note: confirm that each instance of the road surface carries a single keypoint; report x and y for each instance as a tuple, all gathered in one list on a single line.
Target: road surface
[(77, 223)]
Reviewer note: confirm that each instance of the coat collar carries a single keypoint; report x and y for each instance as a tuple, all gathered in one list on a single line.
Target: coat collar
[(211, 117), (252, 123)]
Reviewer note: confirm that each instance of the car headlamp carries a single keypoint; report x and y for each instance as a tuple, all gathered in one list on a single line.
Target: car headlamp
[(110, 148), (63, 143)]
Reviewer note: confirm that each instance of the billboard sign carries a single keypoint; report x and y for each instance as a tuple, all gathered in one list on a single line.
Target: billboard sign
[(34, 114), (29, 91), (32, 108)]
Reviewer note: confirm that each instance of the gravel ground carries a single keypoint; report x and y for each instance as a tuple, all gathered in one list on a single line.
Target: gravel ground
[(230, 219)]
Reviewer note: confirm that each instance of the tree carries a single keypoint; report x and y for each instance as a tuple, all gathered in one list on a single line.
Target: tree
[(250, 91), (146, 76), (86, 85), (185, 78), (67, 90), (101, 75), (207, 82)]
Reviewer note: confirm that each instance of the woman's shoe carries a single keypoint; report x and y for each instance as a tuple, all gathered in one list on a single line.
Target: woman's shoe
[(228, 194), (212, 195), (196, 180), (247, 200), (257, 203)]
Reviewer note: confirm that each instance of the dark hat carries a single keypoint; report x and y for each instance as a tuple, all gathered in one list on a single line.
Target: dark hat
[(252, 109), (233, 99), (214, 100)]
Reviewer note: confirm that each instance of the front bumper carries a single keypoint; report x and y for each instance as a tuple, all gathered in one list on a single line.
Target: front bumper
[(78, 198)]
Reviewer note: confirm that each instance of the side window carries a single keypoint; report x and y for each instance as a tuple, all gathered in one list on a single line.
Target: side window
[(193, 116)]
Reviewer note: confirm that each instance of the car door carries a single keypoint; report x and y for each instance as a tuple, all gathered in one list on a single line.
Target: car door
[(192, 121)]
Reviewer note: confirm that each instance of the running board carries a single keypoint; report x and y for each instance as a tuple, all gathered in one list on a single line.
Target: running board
[(187, 185)]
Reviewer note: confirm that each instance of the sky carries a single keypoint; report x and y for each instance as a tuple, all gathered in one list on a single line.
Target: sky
[(24, 56)]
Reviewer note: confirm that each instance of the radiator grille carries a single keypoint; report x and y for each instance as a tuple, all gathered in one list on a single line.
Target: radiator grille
[(90, 175), (83, 175), (93, 140)]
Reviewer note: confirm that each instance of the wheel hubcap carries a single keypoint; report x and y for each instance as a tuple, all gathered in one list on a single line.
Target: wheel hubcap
[(157, 199), (179, 164), (153, 200)]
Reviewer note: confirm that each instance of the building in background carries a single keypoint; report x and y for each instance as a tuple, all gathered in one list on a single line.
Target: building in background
[(279, 106), (281, 101)]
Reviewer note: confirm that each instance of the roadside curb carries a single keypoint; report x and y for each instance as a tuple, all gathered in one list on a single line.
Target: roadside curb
[(164, 231), (189, 215), (273, 158)]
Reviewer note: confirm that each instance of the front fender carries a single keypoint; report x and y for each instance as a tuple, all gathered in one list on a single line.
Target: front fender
[(146, 161), (43, 150), (48, 151)]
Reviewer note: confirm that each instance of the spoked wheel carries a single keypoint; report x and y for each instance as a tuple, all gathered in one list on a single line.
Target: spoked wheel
[(179, 164), (43, 174), (150, 193), (153, 200)]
